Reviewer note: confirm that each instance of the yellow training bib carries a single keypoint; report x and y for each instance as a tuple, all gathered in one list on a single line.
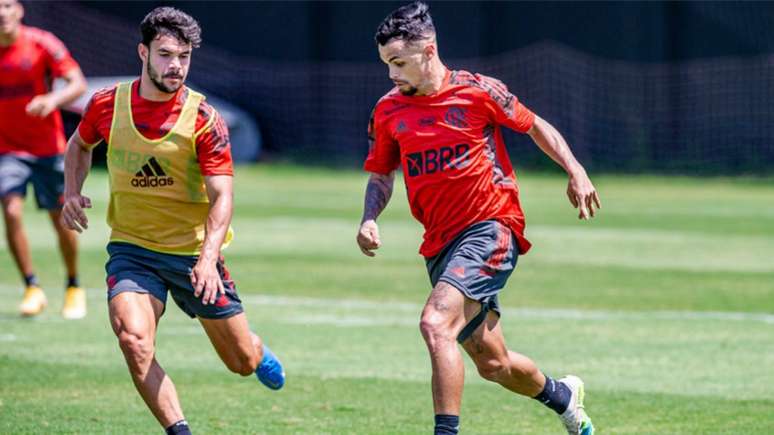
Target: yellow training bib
[(158, 198)]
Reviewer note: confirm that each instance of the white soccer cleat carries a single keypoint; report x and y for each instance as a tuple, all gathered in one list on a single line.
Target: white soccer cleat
[(575, 418)]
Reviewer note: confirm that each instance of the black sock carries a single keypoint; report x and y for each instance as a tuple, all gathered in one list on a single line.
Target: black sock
[(555, 395), (179, 428), (72, 281), (31, 279), (446, 424)]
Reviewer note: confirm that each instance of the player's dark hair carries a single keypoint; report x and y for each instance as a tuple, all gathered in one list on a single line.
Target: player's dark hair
[(411, 22), (173, 22)]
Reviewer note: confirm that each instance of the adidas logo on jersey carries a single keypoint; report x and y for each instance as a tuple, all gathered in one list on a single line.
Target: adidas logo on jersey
[(151, 175)]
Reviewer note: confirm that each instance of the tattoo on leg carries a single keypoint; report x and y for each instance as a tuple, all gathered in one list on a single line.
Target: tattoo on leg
[(437, 298), (440, 306)]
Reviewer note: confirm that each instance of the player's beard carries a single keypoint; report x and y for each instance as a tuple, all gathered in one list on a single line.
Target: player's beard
[(411, 90), (158, 81)]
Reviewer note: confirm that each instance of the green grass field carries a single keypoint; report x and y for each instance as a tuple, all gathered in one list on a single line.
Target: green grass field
[(664, 305)]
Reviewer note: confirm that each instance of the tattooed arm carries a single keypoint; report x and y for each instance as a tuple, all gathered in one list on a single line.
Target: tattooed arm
[(378, 193)]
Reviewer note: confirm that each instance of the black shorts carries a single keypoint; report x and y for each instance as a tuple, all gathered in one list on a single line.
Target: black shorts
[(478, 263), (45, 173), (132, 268)]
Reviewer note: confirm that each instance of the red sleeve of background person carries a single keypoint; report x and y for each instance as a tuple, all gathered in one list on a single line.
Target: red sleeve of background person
[(57, 56), (29, 66), (505, 108), (383, 151), (153, 120)]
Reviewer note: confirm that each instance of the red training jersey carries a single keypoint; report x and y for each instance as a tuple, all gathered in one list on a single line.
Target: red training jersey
[(154, 119), (27, 69), (451, 150)]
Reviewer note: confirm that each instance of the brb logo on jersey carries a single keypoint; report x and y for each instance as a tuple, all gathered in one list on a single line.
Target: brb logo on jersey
[(151, 175), (438, 160)]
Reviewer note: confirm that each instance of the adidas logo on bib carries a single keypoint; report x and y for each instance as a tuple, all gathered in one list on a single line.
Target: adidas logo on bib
[(151, 175)]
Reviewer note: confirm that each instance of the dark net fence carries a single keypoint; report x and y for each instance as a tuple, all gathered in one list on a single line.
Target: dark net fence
[(706, 116)]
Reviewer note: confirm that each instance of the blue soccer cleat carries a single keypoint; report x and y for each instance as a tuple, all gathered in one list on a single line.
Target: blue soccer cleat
[(575, 418), (270, 371)]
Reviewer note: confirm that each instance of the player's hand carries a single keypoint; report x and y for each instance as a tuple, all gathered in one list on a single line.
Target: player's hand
[(206, 281), (368, 237), (583, 195), (73, 216), (41, 106)]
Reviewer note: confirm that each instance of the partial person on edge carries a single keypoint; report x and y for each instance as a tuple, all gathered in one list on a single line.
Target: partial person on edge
[(32, 143)]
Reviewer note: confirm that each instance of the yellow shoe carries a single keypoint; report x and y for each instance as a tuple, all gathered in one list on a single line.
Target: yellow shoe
[(74, 303), (34, 301)]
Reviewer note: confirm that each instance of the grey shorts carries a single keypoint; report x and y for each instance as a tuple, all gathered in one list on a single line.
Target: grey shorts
[(45, 173), (132, 268), (478, 263)]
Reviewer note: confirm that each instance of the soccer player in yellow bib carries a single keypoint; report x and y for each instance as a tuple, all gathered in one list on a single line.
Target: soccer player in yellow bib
[(171, 202)]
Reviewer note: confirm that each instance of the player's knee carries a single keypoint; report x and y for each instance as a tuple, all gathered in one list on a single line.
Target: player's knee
[(12, 212), (428, 327), (491, 369), (137, 349), (434, 329)]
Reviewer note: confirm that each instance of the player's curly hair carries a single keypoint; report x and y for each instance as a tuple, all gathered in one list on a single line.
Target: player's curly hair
[(173, 22), (411, 22)]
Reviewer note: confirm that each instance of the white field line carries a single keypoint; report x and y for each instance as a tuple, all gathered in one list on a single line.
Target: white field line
[(366, 312), (413, 311)]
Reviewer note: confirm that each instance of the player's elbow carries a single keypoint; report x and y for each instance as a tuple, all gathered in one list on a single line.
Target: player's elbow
[(76, 147), (79, 85), (539, 129), (383, 178)]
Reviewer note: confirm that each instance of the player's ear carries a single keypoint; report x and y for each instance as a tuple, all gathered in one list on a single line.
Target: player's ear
[(429, 51), (142, 51)]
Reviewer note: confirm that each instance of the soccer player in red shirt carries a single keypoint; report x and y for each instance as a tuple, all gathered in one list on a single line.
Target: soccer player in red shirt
[(31, 145), (171, 202), (442, 128)]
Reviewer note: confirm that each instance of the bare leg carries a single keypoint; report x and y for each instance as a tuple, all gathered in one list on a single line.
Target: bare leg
[(486, 346), (134, 317), (237, 346), (442, 319), (68, 243), (516, 372), (13, 207)]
